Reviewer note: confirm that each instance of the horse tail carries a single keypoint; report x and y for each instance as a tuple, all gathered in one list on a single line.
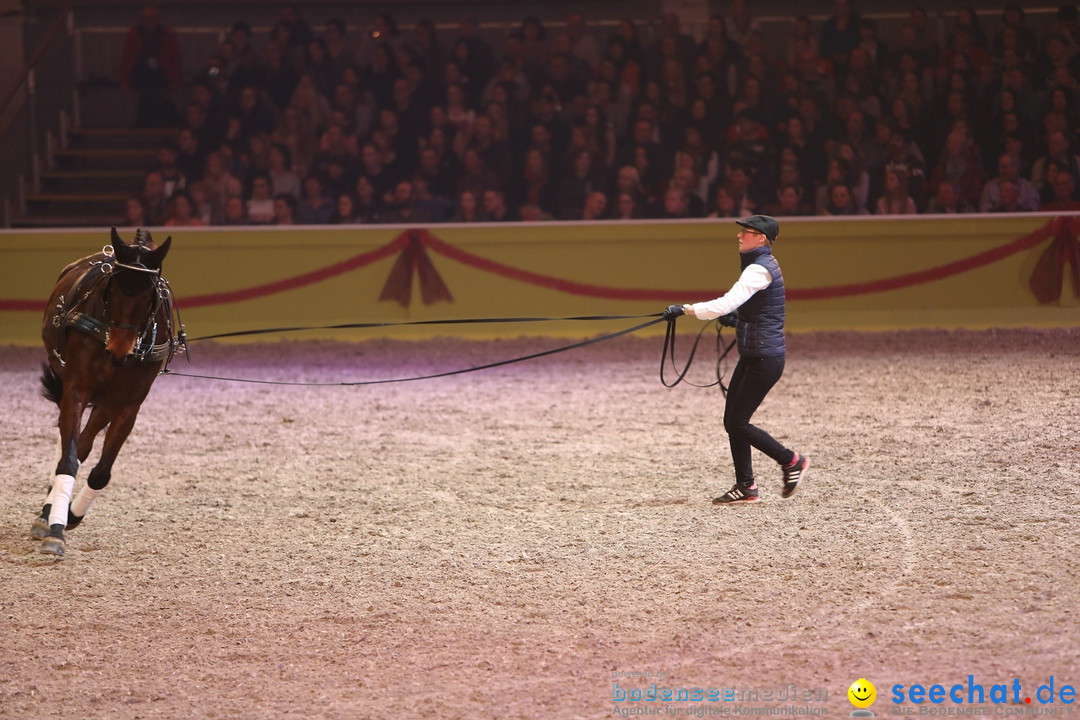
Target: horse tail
[(52, 387)]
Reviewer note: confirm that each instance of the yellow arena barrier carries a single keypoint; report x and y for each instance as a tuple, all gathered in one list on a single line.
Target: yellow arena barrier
[(841, 274)]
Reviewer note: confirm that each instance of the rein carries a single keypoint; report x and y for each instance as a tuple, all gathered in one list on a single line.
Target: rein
[(656, 318), (667, 352)]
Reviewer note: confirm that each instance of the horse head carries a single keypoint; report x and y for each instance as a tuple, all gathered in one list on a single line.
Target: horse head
[(133, 298)]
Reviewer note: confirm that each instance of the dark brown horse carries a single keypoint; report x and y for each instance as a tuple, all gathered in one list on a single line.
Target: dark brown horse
[(108, 333)]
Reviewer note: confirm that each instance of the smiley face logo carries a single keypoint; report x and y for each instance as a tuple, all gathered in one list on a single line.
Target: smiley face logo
[(862, 693)]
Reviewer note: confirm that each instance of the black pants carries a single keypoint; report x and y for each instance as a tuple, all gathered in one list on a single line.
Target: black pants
[(750, 383)]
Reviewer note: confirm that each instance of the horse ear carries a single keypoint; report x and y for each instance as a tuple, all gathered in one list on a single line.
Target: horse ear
[(124, 253), (155, 258)]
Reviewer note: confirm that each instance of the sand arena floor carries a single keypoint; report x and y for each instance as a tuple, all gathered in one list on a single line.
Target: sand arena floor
[(515, 543)]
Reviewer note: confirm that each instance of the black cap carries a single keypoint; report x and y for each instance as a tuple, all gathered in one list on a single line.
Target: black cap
[(763, 224)]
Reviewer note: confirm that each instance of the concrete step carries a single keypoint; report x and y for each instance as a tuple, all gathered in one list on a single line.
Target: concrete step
[(109, 137), (81, 220)]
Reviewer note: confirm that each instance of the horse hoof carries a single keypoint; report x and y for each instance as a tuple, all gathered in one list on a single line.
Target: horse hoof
[(52, 545), (39, 530)]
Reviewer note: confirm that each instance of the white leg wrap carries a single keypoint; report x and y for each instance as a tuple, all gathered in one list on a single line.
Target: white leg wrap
[(61, 499), (56, 461), (84, 499)]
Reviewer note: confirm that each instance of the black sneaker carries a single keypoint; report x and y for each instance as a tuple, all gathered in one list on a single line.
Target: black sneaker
[(793, 473), (738, 494)]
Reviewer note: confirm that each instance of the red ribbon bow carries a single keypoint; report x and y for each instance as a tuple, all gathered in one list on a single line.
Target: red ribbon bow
[(1048, 277), (414, 257)]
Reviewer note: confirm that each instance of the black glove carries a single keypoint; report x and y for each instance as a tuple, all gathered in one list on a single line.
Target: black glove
[(729, 320), (673, 312)]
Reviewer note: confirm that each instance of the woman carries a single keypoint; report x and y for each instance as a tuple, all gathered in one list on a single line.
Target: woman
[(182, 212), (626, 207), (134, 213), (755, 307), (260, 201), (345, 212), (896, 200), (468, 209)]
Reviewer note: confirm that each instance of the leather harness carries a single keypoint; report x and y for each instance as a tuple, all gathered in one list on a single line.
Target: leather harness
[(85, 308)]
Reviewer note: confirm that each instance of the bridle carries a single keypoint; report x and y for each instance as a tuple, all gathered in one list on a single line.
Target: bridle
[(158, 325)]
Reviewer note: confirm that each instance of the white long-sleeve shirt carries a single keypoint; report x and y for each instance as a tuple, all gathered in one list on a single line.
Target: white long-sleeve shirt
[(754, 278)]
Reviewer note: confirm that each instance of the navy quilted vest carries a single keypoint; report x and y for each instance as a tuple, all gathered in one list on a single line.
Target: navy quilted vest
[(760, 331)]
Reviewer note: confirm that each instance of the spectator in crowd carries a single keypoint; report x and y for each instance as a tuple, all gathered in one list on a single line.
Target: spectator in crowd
[(282, 177), (1013, 26), (841, 201), (1057, 151), (840, 34), (789, 202), (434, 208), (134, 213), (904, 156), (737, 122), (314, 207), (221, 185), (737, 182), (626, 207), (174, 180), (284, 209), (259, 206), (959, 168), (595, 207), (673, 206), (895, 200), (236, 212), (468, 208), (1064, 199), (1008, 200), (401, 207), (741, 23), (252, 113), (181, 211), (200, 196), (948, 200), (839, 172), (151, 66), (367, 203), (724, 204), (495, 209), (1019, 196), (154, 199), (190, 157), (860, 178), (578, 183), (536, 186), (345, 210)]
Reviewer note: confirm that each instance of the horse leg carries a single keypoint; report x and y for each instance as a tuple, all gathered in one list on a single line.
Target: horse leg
[(89, 492), (97, 421), (119, 429), (40, 527), (72, 405)]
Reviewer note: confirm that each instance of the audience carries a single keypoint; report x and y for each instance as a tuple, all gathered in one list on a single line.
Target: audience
[(373, 125)]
